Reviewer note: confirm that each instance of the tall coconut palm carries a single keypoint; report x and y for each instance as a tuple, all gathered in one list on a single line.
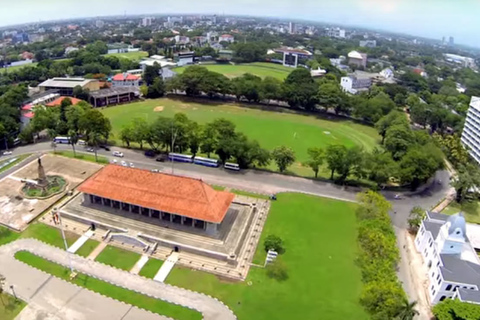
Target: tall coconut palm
[(407, 310)]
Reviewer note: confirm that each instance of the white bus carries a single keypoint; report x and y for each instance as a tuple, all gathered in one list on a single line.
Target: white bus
[(180, 157), (206, 162), (62, 140), (232, 166)]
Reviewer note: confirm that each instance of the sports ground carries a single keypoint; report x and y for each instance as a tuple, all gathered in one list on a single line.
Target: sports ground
[(135, 56), (261, 69), (270, 128)]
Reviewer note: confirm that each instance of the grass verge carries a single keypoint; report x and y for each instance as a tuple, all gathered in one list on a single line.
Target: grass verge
[(151, 268), (250, 194), (110, 290), (470, 209), (81, 156), (323, 282), (6, 164), (87, 248), (118, 258), (10, 307)]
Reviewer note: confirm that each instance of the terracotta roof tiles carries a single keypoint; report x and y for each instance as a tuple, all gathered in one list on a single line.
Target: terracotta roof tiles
[(164, 192)]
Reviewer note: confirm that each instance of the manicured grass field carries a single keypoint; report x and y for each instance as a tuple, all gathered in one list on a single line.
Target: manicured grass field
[(109, 290), (261, 69), (8, 166), (87, 248), (118, 258), (250, 194), (151, 268), (81, 156), (470, 209), (15, 68), (270, 128), (323, 281), (136, 56), (9, 306), (40, 231)]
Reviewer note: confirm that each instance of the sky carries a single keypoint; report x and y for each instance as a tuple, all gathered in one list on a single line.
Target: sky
[(427, 18)]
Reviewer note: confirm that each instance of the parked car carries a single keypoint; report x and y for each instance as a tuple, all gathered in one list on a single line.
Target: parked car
[(131, 165), (7, 153), (123, 163), (90, 150), (155, 170), (161, 158), (150, 153), (117, 154), (81, 142), (105, 147)]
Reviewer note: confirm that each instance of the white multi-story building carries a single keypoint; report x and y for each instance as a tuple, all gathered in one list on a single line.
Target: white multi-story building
[(452, 263), (147, 21), (471, 130)]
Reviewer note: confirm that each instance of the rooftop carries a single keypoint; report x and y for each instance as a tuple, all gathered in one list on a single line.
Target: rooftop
[(66, 82), (293, 50), (355, 55), (164, 192), (57, 102), (102, 93), (468, 295), (125, 77), (461, 271)]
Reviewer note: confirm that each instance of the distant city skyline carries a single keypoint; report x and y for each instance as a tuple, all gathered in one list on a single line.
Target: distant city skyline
[(428, 18)]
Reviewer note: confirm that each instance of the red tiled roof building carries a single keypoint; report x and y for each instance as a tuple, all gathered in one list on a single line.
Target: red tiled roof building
[(162, 196)]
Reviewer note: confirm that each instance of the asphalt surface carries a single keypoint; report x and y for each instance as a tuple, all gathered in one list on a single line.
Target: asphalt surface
[(268, 182)]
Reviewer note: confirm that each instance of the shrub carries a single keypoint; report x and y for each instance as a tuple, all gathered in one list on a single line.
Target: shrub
[(273, 242), (277, 270)]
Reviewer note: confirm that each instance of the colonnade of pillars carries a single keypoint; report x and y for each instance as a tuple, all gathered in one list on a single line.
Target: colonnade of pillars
[(165, 216)]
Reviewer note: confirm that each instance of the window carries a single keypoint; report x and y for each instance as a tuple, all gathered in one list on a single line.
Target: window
[(438, 276), (433, 293), (458, 232), (443, 298), (439, 280), (451, 247), (448, 288)]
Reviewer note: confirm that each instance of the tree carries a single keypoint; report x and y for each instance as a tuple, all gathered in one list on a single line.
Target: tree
[(73, 136), (247, 86), (380, 166), (283, 157), (191, 80), (271, 89), (157, 89), (329, 95), (139, 131), (454, 309), (151, 73), (51, 135), (398, 139), (407, 310), (419, 164), (277, 270), (209, 139), (95, 127), (273, 242), (382, 298), (80, 93), (127, 136), (415, 218), (144, 90), (392, 118), (316, 156), (468, 177), (194, 137), (334, 155), (300, 90)]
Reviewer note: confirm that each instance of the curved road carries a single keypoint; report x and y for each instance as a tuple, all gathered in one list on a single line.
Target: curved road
[(211, 308), (268, 182)]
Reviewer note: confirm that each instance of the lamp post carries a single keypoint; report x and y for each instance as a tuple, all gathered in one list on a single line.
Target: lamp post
[(64, 240), (13, 291)]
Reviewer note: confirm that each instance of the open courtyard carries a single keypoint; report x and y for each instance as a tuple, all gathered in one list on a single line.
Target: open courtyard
[(16, 211), (260, 69), (269, 128)]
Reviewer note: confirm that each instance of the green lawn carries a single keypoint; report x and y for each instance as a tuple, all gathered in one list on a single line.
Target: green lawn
[(250, 194), (118, 258), (218, 188), (81, 156), (270, 128), (470, 208), (47, 234), (9, 306), (261, 69), (87, 248), (109, 290), (11, 164), (136, 56), (15, 68), (324, 282), (151, 268)]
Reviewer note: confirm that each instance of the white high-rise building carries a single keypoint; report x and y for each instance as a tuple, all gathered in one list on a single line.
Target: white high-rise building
[(471, 130), (291, 28), (147, 21)]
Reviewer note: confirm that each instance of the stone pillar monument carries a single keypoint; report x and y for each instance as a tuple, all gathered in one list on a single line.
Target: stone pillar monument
[(42, 178)]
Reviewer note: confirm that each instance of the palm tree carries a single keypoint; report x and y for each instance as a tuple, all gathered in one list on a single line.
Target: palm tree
[(407, 310), (52, 134), (72, 134)]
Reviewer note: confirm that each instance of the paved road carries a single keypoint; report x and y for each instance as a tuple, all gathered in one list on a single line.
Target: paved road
[(262, 181), (28, 283)]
